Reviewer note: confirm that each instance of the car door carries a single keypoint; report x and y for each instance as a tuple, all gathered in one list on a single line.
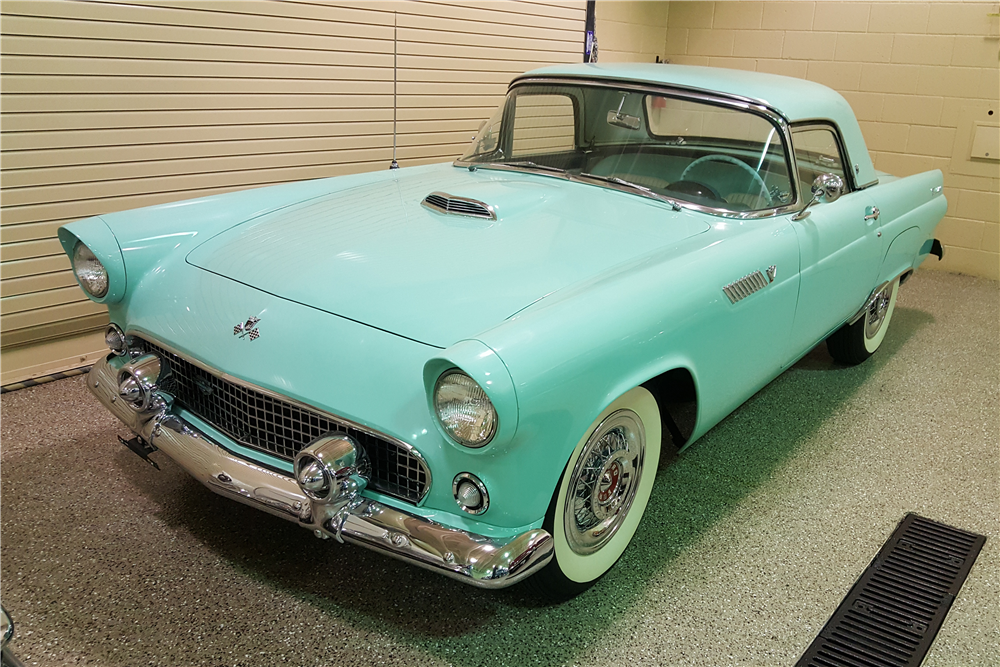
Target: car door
[(839, 242)]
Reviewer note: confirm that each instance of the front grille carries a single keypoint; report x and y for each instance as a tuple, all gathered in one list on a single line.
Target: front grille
[(262, 422)]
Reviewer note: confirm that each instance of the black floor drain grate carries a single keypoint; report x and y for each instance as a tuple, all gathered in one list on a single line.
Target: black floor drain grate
[(893, 612)]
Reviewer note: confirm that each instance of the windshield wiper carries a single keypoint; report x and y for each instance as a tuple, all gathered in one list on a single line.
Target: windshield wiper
[(530, 165), (635, 186)]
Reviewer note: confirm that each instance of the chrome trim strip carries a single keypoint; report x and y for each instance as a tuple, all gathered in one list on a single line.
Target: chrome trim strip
[(758, 107), (691, 92), (478, 560), (299, 404)]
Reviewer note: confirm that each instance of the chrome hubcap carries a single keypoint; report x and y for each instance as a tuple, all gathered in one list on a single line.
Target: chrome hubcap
[(604, 483), (877, 310)]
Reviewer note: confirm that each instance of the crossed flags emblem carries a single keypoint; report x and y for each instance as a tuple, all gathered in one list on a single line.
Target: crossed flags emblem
[(247, 329)]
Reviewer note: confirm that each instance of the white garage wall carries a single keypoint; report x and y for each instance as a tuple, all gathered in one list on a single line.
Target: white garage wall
[(110, 106)]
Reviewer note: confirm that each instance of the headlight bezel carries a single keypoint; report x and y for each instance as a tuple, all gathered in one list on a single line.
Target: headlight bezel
[(471, 385), (98, 238)]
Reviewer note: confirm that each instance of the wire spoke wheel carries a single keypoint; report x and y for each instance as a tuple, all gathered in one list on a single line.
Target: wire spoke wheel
[(604, 482), (877, 311)]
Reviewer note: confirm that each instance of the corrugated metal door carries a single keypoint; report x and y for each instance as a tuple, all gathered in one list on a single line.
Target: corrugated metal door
[(110, 106)]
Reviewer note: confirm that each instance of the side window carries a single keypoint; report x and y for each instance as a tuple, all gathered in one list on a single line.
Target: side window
[(817, 152), (543, 124)]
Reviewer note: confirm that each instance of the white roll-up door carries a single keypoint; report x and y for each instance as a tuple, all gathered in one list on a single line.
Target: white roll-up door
[(108, 106)]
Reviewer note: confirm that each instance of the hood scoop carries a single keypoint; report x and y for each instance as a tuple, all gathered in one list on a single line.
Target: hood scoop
[(443, 202)]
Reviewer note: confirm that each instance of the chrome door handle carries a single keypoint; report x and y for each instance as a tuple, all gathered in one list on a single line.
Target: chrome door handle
[(873, 215)]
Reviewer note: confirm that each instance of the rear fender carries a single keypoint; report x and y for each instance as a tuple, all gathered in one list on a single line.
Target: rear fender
[(900, 256), (911, 209)]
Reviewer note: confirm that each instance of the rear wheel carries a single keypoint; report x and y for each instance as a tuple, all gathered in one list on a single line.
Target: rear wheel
[(602, 495), (853, 343)]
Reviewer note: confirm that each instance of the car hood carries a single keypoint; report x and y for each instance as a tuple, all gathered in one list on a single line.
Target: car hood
[(373, 254)]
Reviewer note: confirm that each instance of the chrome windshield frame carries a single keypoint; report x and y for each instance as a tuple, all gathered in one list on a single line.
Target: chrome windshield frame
[(735, 102)]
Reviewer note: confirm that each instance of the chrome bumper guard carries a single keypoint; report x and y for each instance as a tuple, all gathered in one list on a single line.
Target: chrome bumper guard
[(474, 559)]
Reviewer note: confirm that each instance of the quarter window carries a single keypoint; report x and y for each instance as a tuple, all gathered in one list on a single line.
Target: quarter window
[(817, 151)]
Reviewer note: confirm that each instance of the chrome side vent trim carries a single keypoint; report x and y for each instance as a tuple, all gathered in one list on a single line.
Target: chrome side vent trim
[(442, 202), (745, 286)]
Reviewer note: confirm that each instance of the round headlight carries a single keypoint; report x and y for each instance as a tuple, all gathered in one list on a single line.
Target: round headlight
[(89, 271), (464, 410)]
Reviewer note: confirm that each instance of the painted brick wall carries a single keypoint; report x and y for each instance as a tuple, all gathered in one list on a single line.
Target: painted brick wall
[(919, 75), (630, 30)]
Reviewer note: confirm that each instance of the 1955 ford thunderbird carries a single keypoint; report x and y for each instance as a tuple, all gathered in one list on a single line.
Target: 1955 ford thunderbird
[(473, 366)]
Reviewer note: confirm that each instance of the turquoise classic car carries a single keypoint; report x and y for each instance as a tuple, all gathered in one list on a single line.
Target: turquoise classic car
[(473, 366)]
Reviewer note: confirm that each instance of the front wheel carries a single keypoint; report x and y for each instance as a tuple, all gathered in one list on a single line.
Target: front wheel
[(602, 495), (853, 343)]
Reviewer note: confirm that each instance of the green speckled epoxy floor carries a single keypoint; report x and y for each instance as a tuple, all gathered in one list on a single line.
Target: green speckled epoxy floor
[(752, 538)]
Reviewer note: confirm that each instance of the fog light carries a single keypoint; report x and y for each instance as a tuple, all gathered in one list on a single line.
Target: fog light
[(329, 468), (470, 493), (115, 339)]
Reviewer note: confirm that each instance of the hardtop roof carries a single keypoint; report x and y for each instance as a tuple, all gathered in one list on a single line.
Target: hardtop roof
[(794, 99)]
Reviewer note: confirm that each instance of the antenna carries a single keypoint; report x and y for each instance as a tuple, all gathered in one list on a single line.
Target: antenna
[(394, 164)]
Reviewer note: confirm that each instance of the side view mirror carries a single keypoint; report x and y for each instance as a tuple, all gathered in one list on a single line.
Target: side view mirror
[(827, 188)]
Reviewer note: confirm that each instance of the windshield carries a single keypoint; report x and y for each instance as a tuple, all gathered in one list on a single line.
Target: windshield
[(656, 145)]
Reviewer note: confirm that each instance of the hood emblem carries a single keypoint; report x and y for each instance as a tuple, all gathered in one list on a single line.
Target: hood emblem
[(247, 329)]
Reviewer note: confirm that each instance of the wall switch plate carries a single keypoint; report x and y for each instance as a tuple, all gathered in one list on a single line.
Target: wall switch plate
[(986, 142)]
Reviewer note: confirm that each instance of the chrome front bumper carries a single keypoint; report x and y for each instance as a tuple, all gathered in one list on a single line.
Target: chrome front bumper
[(475, 559)]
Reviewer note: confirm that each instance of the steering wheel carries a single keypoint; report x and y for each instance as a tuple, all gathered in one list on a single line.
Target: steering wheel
[(717, 157)]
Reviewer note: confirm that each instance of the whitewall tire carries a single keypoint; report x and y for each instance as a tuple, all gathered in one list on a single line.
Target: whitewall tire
[(602, 494), (853, 343)]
